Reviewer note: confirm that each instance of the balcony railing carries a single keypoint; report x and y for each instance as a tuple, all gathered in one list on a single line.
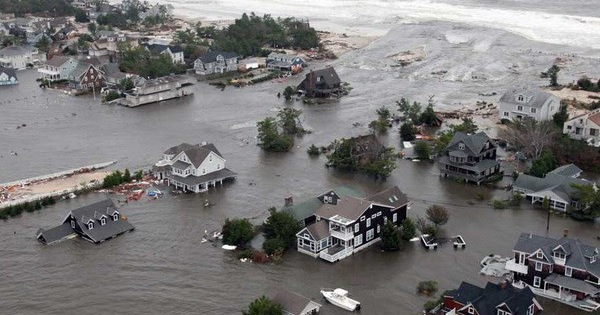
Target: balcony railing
[(333, 255), (346, 236), (511, 265)]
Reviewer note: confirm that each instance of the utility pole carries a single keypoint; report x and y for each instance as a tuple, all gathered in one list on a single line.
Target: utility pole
[(546, 207)]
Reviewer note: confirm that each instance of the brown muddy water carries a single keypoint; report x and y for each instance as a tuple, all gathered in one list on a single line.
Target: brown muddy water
[(162, 268)]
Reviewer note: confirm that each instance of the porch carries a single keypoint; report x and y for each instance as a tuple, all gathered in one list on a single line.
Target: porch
[(336, 252), (566, 290)]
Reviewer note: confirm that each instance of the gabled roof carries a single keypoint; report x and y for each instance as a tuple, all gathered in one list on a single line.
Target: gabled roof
[(536, 97), (10, 72), (559, 181), (212, 55), (197, 154), (58, 61), (392, 197), (307, 208), (99, 232), (319, 230), (178, 148), (348, 207), (292, 303), (15, 51), (487, 300), (570, 170), (595, 118), (474, 143), (158, 48), (330, 77)]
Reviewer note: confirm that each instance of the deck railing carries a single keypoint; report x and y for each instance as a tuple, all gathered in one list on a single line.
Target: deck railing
[(337, 256)]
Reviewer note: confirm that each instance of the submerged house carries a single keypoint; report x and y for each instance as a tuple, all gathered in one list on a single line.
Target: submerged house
[(557, 186), (285, 62), (345, 225), (159, 89), (8, 76), (193, 168), (522, 102), (293, 303), (496, 299), (471, 158), (96, 223), (565, 269), (321, 83)]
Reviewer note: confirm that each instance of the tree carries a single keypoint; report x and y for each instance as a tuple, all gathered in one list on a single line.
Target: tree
[(269, 138), (438, 215), (81, 16), (407, 131), (543, 164), (126, 176), (288, 92), (313, 150), (426, 227), (43, 44), (585, 84), (92, 28), (390, 237), (383, 113), (553, 75), (365, 154), (589, 200), (428, 117), (263, 306), (467, 126), (530, 136), (282, 227), (288, 121), (237, 232), (409, 229), (422, 150), (412, 112), (126, 84), (560, 117)]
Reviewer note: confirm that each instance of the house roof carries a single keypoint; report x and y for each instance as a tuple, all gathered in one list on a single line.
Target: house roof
[(536, 97), (178, 148), (197, 154), (14, 51), (578, 253), (486, 300), (181, 165), (55, 234), (158, 48), (328, 74), (212, 55), (306, 208), (560, 181), (58, 61), (348, 207), (9, 71), (572, 283), (112, 70), (570, 170), (291, 302), (595, 118), (195, 180), (473, 142), (319, 230), (392, 197)]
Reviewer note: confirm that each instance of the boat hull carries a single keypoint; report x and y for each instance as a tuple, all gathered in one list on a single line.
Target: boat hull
[(344, 302)]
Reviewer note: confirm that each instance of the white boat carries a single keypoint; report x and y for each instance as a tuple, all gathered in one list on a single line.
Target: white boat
[(339, 297)]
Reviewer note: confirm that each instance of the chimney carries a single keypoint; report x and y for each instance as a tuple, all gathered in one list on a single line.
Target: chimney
[(289, 201), (530, 234), (566, 233), (503, 284)]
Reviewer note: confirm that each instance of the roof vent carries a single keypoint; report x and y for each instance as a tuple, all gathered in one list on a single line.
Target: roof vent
[(289, 201), (203, 143), (566, 233)]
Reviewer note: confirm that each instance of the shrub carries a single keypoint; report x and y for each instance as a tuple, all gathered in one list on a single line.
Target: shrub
[(427, 288), (430, 305), (498, 204), (515, 200), (422, 150), (437, 214), (479, 197), (313, 150), (409, 229), (263, 306), (407, 131), (273, 245), (237, 232), (390, 237)]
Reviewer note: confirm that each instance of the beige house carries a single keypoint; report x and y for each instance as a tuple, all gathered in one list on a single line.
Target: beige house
[(584, 127)]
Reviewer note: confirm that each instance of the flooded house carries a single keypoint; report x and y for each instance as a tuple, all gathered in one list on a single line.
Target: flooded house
[(8, 76), (193, 168), (57, 68), (566, 269), (19, 57), (159, 89), (96, 223), (321, 83), (522, 102), (471, 158), (293, 303), (216, 61), (174, 51), (346, 225), (584, 127), (285, 62), (86, 75), (557, 186), (496, 299)]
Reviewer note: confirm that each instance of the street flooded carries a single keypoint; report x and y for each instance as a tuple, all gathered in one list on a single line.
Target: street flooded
[(163, 268)]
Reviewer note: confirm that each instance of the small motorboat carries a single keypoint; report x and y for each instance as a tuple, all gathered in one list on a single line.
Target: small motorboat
[(339, 297)]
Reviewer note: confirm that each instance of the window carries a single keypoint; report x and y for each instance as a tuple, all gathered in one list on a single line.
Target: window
[(72, 224), (395, 217), (520, 108), (505, 114), (577, 130), (531, 309), (471, 310), (210, 158), (569, 127), (203, 171), (533, 110), (116, 217), (103, 221), (537, 281), (538, 266), (368, 222), (379, 213), (324, 243), (378, 228), (358, 240), (501, 312), (374, 215), (218, 166), (312, 246), (356, 227), (461, 146), (90, 225), (300, 242), (539, 255), (593, 132), (568, 271), (520, 98), (370, 235), (559, 255)]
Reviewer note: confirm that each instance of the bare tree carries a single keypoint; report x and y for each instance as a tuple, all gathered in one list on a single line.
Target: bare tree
[(530, 136), (437, 214)]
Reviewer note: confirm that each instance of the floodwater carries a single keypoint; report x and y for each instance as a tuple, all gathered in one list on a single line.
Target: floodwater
[(162, 267)]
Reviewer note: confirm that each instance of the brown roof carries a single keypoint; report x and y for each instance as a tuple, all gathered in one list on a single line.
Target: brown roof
[(291, 302), (319, 230), (595, 118), (197, 154), (392, 197), (347, 207), (58, 61), (178, 148)]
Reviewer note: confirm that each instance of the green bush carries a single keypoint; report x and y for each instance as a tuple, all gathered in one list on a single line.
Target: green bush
[(427, 288), (273, 245), (313, 150), (515, 200), (237, 232), (390, 237), (409, 229), (498, 204), (430, 305)]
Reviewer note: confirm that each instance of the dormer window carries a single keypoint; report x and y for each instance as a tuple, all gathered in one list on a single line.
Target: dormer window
[(90, 225), (520, 98), (502, 312), (539, 255), (103, 221), (559, 255), (72, 224), (471, 310), (461, 146), (520, 108), (115, 217)]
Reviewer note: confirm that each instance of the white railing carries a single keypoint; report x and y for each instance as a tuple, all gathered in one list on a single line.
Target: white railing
[(337, 256), (511, 265), (342, 235)]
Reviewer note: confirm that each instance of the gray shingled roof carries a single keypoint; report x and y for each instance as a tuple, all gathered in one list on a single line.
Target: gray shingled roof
[(14, 51), (55, 234), (212, 55), (291, 302), (197, 154), (178, 148), (536, 97), (392, 197), (10, 72), (570, 170), (319, 230), (572, 283), (100, 232), (554, 181), (158, 48), (58, 61), (328, 74), (486, 300), (474, 142), (347, 207), (181, 165), (307, 208)]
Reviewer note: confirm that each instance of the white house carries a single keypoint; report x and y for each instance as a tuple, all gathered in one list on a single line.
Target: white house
[(584, 127), (58, 68), (521, 102), (18, 57), (175, 51), (193, 168), (8, 76)]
